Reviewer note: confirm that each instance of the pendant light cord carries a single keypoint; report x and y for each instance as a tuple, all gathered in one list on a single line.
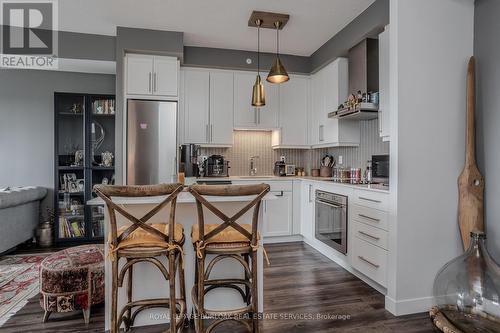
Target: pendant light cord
[(278, 40), (258, 48)]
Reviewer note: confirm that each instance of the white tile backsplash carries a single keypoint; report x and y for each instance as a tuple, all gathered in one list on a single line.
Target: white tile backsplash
[(258, 143)]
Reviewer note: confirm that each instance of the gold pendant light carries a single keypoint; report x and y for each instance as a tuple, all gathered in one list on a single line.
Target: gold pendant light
[(278, 73), (258, 95)]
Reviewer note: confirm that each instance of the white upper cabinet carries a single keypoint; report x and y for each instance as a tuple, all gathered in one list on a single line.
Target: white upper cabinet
[(245, 114), (384, 85), (139, 74), (221, 108), (196, 106), (329, 89), (316, 119), (293, 114), (152, 75), (207, 102), (165, 76), (248, 116), (267, 116)]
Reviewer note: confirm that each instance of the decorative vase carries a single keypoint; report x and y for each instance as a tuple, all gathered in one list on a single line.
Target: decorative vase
[(44, 234), (467, 289)]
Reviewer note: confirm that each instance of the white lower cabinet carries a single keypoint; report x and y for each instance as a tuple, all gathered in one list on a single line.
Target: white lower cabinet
[(370, 260), (368, 229), (277, 217), (367, 233), (307, 210)]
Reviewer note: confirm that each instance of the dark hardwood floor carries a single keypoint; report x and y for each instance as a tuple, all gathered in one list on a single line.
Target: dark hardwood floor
[(300, 283)]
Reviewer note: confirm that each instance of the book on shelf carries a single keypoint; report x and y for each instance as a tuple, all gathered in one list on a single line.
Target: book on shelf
[(103, 106), (71, 227)]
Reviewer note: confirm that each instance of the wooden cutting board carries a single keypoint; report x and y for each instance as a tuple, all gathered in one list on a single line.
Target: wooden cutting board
[(470, 181)]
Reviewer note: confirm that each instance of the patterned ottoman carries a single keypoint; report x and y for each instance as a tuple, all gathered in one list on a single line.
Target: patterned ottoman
[(72, 279)]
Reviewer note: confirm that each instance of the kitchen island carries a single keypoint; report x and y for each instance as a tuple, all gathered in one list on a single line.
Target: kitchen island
[(148, 281)]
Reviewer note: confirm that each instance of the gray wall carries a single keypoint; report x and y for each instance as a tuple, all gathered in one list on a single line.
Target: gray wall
[(368, 24), (487, 52), (236, 59), (27, 121), (75, 45)]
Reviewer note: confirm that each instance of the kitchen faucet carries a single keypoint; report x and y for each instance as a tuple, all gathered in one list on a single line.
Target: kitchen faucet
[(253, 169)]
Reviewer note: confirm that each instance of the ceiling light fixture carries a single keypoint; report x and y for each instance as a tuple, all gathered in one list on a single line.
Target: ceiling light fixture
[(278, 73), (258, 95)]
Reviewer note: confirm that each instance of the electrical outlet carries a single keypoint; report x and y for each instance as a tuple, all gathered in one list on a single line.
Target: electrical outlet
[(340, 160)]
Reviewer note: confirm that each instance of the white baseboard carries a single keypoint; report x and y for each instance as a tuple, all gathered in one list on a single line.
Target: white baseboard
[(408, 306), (282, 239)]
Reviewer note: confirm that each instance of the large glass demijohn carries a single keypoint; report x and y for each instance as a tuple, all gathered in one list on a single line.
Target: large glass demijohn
[(467, 289)]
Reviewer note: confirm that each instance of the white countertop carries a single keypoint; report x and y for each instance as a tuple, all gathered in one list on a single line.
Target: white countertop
[(183, 198), (369, 187)]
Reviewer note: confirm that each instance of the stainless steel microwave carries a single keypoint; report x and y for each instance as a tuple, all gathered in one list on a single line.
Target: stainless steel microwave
[(380, 169)]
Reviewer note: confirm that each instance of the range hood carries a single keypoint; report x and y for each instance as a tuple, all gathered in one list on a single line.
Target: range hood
[(363, 76)]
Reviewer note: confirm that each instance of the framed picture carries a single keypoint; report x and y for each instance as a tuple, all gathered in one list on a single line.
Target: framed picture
[(81, 185), (73, 187), (65, 181)]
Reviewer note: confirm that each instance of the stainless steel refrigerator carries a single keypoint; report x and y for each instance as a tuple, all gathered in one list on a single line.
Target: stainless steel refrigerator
[(151, 142)]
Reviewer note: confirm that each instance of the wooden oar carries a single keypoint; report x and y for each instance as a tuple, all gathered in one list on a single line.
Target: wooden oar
[(470, 182)]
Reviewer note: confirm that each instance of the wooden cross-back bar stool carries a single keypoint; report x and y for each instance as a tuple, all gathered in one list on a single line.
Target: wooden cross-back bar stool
[(141, 241), (228, 239)]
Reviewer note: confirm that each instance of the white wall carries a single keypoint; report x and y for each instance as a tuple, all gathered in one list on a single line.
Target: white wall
[(27, 121), (487, 52), (432, 44)]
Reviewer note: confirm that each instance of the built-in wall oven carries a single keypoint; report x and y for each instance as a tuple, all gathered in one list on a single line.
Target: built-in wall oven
[(331, 220)]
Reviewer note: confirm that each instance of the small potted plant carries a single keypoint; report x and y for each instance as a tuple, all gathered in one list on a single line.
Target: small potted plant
[(44, 232)]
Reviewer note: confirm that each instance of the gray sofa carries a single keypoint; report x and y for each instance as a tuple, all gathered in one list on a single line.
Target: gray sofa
[(19, 214)]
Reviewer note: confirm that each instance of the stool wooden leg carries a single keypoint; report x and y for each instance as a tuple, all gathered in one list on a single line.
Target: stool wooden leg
[(129, 296), (172, 275), (255, 294), (182, 287), (247, 290), (114, 295), (200, 291), (46, 316), (86, 316)]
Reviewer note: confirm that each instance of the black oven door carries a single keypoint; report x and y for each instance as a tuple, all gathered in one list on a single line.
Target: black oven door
[(331, 224)]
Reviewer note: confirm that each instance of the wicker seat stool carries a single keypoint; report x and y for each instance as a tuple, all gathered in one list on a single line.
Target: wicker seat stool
[(229, 239), (143, 242)]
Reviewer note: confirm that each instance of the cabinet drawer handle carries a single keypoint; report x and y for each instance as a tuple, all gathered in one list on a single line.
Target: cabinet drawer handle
[(369, 218), (371, 200), (368, 235), (154, 82), (149, 88), (368, 262), (280, 194)]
